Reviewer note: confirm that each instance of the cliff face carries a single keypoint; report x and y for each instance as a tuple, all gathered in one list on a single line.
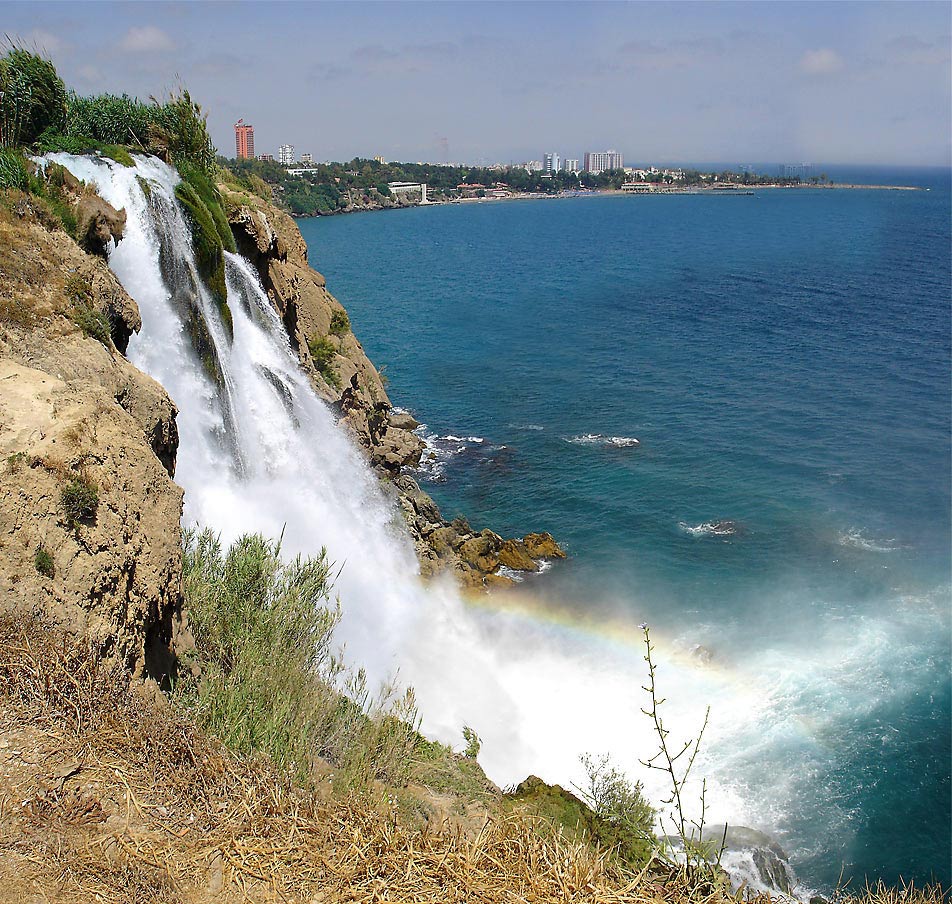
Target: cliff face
[(343, 375), (89, 516)]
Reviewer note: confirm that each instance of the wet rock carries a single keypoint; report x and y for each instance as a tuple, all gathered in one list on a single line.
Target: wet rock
[(754, 855), (543, 546)]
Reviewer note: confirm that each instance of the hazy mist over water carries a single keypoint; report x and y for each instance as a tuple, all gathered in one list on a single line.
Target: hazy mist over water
[(783, 360)]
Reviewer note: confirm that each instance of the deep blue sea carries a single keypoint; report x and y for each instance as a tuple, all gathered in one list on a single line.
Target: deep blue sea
[(783, 360)]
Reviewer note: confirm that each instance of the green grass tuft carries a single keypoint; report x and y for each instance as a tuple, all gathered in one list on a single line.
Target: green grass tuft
[(80, 500), (43, 562), (13, 172), (83, 312)]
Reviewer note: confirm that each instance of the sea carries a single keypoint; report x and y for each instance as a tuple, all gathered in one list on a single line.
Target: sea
[(733, 411)]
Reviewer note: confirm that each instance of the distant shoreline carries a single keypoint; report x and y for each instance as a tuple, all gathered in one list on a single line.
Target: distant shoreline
[(618, 192)]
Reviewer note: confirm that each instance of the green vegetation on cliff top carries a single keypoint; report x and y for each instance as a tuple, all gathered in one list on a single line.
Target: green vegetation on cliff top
[(39, 115)]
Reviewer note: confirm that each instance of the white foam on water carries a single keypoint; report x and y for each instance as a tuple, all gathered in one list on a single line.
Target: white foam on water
[(710, 528), (857, 538), (597, 439)]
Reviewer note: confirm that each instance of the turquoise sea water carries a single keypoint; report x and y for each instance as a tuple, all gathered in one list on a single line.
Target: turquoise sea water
[(783, 360)]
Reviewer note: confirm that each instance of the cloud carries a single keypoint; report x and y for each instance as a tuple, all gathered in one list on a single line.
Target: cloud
[(409, 59), (327, 72), (146, 39), (821, 62), (43, 41), (90, 75)]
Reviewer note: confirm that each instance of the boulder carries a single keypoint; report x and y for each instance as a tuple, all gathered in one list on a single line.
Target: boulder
[(97, 222), (398, 449), (514, 555), (403, 420), (482, 551), (543, 546)]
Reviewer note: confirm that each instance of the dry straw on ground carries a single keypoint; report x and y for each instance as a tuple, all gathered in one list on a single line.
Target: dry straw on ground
[(107, 796)]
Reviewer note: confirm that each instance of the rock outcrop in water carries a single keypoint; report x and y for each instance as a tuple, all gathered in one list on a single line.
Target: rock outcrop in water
[(342, 374), (89, 515)]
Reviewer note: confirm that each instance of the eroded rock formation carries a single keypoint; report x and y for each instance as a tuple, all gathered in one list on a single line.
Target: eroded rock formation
[(89, 515)]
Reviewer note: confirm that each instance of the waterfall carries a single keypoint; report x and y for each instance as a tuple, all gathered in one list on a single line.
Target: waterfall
[(260, 452)]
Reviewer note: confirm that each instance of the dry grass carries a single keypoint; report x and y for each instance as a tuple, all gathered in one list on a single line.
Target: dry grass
[(108, 796), (125, 786)]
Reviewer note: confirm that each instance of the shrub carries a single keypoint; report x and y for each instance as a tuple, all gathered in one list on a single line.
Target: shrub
[(108, 119), (180, 128), (340, 323), (43, 562), (32, 97), (473, 742), (80, 499), (269, 679), (322, 353), (625, 818)]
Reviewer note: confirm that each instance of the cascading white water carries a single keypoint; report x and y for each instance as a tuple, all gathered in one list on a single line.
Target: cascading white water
[(259, 452)]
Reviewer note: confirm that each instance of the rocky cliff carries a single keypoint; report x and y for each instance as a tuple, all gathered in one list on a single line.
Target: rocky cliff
[(89, 514), (343, 375)]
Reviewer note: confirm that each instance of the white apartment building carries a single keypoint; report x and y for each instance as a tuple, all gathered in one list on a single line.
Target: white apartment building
[(570, 165), (286, 154), (307, 158), (550, 162), (599, 161)]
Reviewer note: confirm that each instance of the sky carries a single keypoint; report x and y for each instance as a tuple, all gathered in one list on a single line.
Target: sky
[(837, 82)]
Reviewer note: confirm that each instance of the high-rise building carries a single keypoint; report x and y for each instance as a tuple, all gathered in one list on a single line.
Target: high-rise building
[(570, 165), (307, 158), (796, 170), (244, 141), (550, 162), (599, 161), (286, 154)]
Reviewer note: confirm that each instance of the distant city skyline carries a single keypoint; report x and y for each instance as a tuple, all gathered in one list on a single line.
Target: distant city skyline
[(830, 83)]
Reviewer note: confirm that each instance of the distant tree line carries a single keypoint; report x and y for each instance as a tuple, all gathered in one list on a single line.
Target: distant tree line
[(332, 187)]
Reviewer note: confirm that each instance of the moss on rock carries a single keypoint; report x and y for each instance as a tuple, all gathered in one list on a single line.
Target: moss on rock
[(209, 249)]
